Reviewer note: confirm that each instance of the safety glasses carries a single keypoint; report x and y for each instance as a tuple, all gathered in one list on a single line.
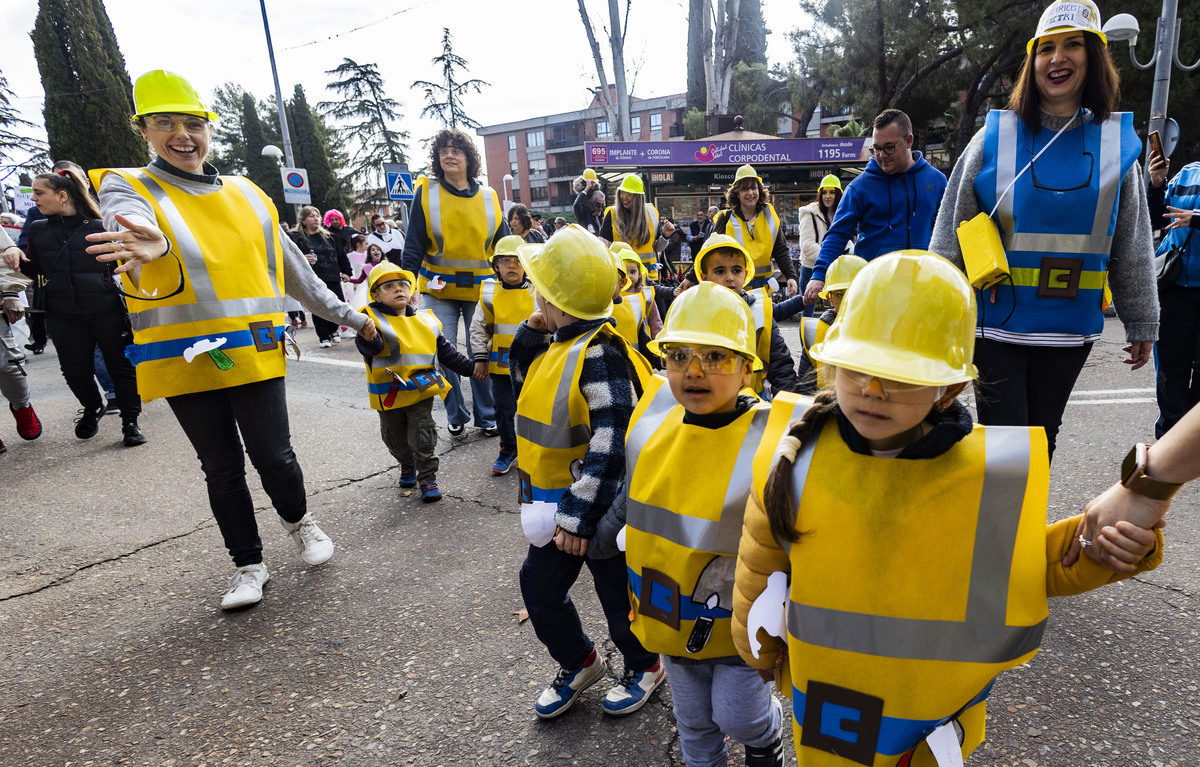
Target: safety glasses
[(720, 361)]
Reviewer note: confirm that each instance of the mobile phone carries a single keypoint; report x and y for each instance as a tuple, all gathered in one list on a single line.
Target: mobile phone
[(1156, 143)]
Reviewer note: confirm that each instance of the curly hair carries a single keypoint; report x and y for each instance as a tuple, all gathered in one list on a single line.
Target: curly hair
[(448, 137), (734, 204)]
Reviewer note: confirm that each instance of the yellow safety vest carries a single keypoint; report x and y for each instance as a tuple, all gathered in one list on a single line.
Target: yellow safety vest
[(812, 332), (504, 309), (758, 238), (554, 424), (643, 249), (406, 371), (909, 595), (225, 328), (763, 310), (681, 538), (459, 239), (631, 314)]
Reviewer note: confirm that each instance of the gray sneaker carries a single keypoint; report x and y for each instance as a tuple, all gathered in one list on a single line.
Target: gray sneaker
[(246, 587), (314, 545)]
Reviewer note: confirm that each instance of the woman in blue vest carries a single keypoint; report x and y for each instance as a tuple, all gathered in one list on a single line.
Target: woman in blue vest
[(1072, 215)]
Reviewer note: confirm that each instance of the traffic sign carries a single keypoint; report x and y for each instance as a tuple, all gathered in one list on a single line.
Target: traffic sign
[(295, 186), (400, 186)]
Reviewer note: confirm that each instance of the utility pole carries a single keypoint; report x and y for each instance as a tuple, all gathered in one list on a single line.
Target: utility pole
[(283, 126)]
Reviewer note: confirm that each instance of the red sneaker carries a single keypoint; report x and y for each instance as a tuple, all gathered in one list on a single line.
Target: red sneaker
[(28, 425)]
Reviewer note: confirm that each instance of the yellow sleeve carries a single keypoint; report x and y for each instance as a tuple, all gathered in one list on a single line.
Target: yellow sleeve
[(1085, 574), (759, 555)]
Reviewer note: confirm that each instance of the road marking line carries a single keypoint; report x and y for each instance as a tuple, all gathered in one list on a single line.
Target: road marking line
[(1111, 391), (327, 361), (1109, 401)]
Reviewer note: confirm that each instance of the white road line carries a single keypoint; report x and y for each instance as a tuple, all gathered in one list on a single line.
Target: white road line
[(328, 361), (1089, 393), (1109, 401)]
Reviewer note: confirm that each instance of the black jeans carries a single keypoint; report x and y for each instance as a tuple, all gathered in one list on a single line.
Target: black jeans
[(506, 411), (76, 337), (212, 420), (326, 330), (1026, 385), (1176, 355), (546, 578)]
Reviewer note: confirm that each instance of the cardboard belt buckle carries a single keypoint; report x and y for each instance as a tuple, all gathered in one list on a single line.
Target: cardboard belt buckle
[(656, 584), (464, 279), (841, 721), (1059, 277), (263, 333), (424, 379)]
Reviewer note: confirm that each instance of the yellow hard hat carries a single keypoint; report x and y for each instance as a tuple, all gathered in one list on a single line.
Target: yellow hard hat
[(627, 256), (573, 271), (389, 270), (716, 241), (508, 246), (1065, 16), (709, 315), (908, 316), (632, 184), (590, 175), (830, 182), (841, 273), (746, 171), (160, 91), (618, 246)]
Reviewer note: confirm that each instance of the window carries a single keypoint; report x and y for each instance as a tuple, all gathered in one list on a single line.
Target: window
[(656, 122), (538, 193), (635, 126), (514, 171), (537, 168), (516, 194), (534, 138), (512, 141), (602, 131)]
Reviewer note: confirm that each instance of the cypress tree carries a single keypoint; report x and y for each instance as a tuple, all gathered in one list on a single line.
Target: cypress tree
[(697, 87), (88, 91), (308, 147), (751, 46), (263, 171)]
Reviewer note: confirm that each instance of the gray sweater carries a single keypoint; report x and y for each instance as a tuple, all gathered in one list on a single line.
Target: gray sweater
[(1131, 268), (300, 282)]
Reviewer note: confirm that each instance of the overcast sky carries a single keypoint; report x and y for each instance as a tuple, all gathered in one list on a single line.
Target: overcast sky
[(541, 65)]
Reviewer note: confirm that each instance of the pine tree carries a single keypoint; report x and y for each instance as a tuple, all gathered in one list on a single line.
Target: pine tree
[(309, 140), (228, 148), (263, 171), (18, 150), (88, 91), (371, 114), (443, 101)]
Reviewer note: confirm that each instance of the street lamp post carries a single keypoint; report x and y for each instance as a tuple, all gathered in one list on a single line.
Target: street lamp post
[(1124, 26), (283, 126)]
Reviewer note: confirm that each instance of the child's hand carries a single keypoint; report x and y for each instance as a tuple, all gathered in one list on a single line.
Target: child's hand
[(368, 330), (537, 321), (570, 544), (480, 372), (768, 674), (1124, 545)]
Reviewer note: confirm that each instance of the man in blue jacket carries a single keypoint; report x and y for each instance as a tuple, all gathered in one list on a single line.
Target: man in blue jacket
[(891, 205)]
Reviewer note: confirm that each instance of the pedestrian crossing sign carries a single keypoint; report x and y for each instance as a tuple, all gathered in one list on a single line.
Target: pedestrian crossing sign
[(400, 186)]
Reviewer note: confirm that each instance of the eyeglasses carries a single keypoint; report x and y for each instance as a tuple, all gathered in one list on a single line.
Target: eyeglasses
[(896, 391), (506, 261), (194, 125), (394, 285), (451, 151), (884, 150), (720, 361)]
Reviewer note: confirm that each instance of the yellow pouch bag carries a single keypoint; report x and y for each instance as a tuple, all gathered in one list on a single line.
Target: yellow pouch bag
[(983, 252)]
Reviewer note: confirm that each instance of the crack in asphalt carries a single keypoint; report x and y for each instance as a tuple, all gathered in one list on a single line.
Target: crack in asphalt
[(1160, 587)]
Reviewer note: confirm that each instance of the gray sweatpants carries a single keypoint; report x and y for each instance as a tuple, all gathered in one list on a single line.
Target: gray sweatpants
[(13, 383)]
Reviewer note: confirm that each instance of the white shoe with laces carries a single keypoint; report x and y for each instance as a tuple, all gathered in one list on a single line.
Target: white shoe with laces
[(246, 588), (314, 545)]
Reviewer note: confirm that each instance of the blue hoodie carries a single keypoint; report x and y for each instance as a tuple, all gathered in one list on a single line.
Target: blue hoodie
[(889, 213)]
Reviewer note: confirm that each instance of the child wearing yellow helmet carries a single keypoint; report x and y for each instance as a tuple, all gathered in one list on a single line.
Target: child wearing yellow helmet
[(404, 362), (576, 382), (724, 261), (636, 304), (814, 329), (697, 423), (915, 542), (505, 301)]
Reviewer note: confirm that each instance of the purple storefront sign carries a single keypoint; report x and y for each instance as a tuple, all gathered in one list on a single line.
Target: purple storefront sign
[(636, 154)]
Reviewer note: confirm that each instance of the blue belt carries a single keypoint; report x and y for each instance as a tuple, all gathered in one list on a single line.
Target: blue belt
[(477, 279), (401, 385), (161, 350), (688, 610)]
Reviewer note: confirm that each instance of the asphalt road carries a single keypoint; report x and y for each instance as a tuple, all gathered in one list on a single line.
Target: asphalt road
[(405, 647)]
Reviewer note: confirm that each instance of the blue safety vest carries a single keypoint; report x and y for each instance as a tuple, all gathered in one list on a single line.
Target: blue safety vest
[(1184, 192), (1057, 225)]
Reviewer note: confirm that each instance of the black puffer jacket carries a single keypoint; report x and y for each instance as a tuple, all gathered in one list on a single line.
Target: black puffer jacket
[(76, 283)]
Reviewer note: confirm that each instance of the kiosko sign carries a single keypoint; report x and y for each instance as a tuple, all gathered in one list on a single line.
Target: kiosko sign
[(759, 152)]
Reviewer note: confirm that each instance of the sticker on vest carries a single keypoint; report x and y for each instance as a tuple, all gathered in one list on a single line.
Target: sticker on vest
[(211, 347), (464, 279), (537, 522), (841, 721), (435, 283), (768, 610), (263, 334), (425, 379), (1059, 277), (943, 742), (773, 284), (714, 591)]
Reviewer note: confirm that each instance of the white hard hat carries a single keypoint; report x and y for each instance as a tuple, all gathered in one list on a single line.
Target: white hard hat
[(1065, 16)]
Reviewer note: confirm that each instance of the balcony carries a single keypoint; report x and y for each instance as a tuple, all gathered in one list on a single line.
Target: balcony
[(566, 142), (560, 200), (566, 172)]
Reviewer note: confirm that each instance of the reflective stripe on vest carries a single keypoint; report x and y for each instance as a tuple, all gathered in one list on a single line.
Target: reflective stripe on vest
[(514, 305), (763, 320), (207, 306), (434, 198), (754, 246), (394, 357), (548, 434)]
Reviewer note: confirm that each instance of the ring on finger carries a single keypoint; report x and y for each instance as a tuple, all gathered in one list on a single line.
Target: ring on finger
[(1084, 542)]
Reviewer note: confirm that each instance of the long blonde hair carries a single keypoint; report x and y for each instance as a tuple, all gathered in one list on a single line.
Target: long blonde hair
[(633, 225), (304, 213)]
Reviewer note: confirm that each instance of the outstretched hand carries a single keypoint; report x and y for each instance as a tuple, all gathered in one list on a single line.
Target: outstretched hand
[(13, 256), (135, 245)]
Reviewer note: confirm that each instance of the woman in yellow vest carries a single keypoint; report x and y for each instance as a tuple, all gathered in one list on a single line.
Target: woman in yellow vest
[(205, 271), (634, 221), (454, 224), (915, 542)]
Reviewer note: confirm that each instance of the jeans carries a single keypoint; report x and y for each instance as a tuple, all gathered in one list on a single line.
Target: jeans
[(411, 437), (106, 382), (506, 411), (712, 701), (212, 420), (448, 312), (546, 578), (76, 338), (805, 276), (1026, 385), (1177, 355)]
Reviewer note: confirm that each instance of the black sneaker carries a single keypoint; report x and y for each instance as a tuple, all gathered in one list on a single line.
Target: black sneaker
[(133, 435), (113, 405), (88, 422)]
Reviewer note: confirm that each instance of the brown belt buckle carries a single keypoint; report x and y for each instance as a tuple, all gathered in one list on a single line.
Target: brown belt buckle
[(1059, 277), (668, 590), (263, 333), (464, 279)]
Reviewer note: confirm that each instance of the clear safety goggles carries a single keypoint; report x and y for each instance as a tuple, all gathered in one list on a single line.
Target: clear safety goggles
[(168, 124), (893, 391), (720, 361)]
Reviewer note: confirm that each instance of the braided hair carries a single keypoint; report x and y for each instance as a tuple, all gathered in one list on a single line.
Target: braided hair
[(778, 498)]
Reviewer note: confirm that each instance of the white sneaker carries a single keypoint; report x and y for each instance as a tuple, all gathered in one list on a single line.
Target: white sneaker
[(336, 338), (246, 587), (315, 546), (325, 344)]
